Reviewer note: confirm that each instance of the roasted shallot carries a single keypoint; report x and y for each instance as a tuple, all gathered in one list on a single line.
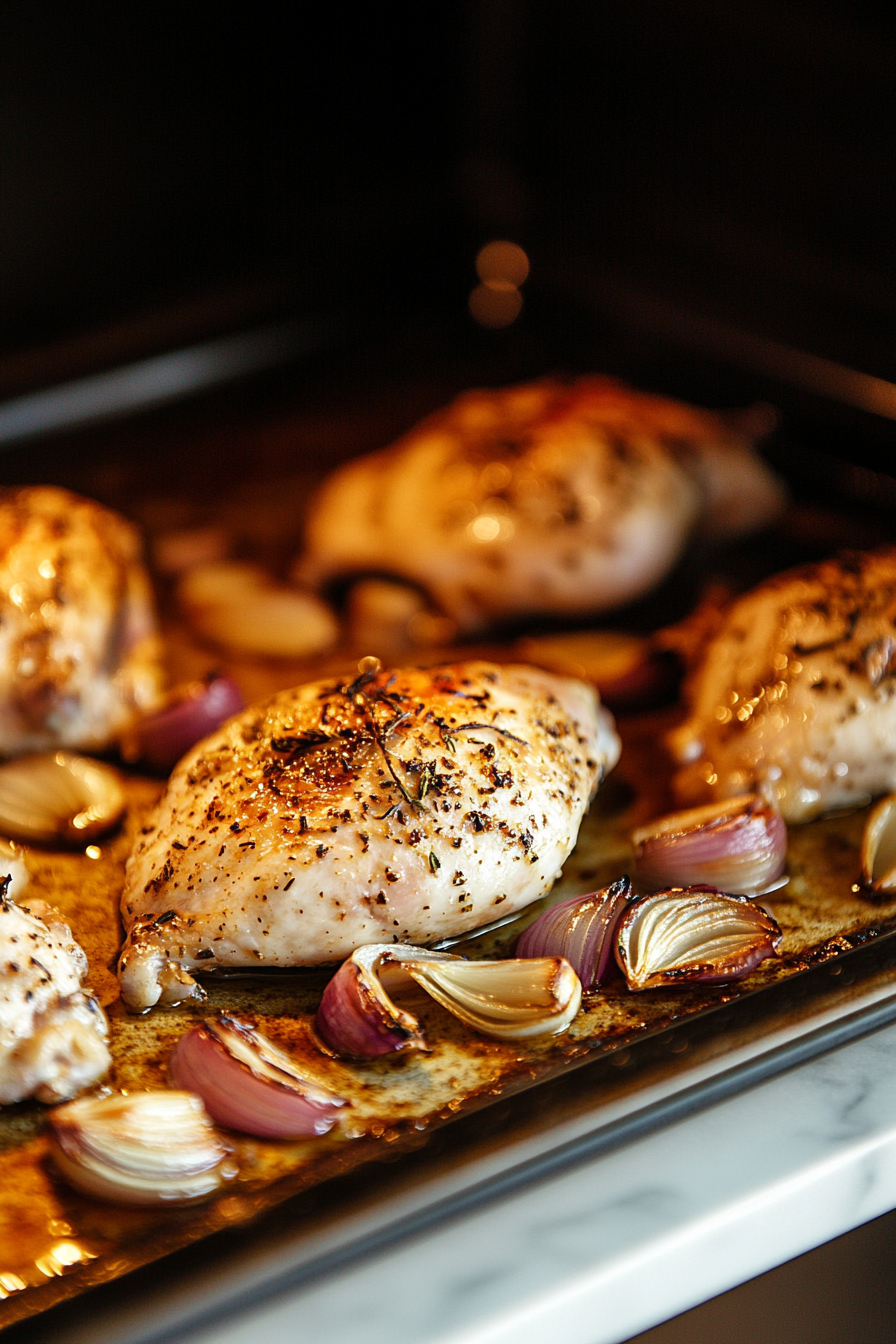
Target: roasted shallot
[(249, 1085), (739, 846), (55, 797), (879, 848), (240, 607), (510, 1000), (694, 934), (140, 1148), (189, 713), (583, 930)]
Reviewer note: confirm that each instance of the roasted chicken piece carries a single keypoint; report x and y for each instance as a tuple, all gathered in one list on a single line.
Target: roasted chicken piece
[(406, 806), (79, 655), (52, 1032), (796, 693), (560, 498)]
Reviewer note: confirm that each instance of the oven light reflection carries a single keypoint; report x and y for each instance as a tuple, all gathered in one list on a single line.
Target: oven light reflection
[(501, 263), (61, 1257), (502, 266)]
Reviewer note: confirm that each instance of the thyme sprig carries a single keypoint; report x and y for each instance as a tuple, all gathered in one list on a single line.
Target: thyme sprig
[(366, 703)]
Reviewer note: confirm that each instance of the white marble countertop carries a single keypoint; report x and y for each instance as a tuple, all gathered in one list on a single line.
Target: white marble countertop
[(630, 1238)]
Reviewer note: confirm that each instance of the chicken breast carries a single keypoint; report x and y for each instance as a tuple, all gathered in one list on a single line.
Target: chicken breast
[(52, 1032), (79, 655), (796, 693), (407, 806), (560, 498)]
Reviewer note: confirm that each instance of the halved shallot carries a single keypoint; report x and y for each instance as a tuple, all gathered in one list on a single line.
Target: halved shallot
[(879, 848), (241, 607), (249, 1085), (581, 929), (739, 845), (140, 1148), (510, 1000), (188, 714), (55, 797), (694, 934)]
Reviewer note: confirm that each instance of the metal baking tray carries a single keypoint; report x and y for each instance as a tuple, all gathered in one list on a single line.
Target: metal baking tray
[(456, 1119), (64, 1243)]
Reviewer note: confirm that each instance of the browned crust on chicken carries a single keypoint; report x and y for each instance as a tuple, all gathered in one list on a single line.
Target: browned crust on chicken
[(548, 497), (796, 693), (79, 654), (407, 806)]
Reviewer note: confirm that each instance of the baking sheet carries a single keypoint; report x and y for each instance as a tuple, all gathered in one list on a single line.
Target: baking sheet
[(55, 1243)]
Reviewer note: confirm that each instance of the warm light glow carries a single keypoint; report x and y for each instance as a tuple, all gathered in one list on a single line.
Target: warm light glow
[(502, 267), (495, 308), (489, 528), (62, 1256), (495, 476), (501, 263), (69, 1253), (93, 852), (485, 528)]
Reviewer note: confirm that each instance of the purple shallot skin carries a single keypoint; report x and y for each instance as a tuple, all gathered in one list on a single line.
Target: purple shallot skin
[(583, 930), (352, 1021), (192, 712)]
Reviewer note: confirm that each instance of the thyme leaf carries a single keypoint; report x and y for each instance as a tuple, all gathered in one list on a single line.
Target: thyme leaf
[(427, 779), (494, 727)]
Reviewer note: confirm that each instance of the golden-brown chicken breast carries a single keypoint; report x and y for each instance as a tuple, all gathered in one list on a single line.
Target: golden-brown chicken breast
[(561, 498), (79, 655), (796, 693), (408, 806)]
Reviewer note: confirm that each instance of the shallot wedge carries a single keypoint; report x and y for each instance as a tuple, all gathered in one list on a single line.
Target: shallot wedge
[(55, 797), (693, 935), (739, 846), (879, 848), (583, 930), (189, 713), (146, 1148), (510, 1000), (249, 1085), (242, 608)]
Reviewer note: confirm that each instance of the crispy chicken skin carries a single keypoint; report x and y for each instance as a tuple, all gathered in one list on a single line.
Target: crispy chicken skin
[(79, 655), (561, 498), (407, 806), (796, 693), (52, 1032)]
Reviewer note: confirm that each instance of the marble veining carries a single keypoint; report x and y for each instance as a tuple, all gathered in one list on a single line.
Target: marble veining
[(632, 1237)]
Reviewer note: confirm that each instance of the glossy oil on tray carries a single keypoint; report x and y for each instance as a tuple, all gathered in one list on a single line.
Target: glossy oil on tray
[(55, 1243)]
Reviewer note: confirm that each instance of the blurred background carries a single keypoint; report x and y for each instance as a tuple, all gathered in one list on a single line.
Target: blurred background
[(705, 194)]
